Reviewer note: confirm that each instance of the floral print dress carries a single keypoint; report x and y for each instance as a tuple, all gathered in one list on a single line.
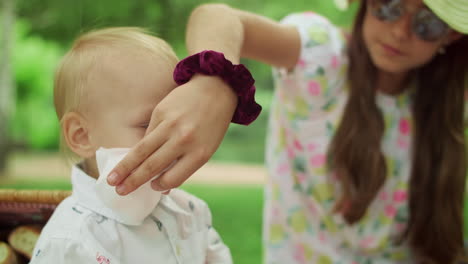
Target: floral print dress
[(299, 223)]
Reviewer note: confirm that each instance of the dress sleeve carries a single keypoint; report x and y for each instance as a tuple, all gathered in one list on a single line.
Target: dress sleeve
[(319, 75)]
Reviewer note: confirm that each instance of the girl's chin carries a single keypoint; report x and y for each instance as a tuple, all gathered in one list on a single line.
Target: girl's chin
[(390, 66)]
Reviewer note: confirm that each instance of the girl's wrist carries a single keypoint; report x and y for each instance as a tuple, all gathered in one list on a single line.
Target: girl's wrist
[(238, 77), (217, 88)]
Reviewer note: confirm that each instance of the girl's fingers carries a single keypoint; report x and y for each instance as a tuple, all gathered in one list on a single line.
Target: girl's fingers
[(137, 156), (154, 121), (190, 123), (152, 166), (179, 173)]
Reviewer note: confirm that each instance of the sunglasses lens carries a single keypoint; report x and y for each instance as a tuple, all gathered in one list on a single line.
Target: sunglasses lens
[(387, 10), (427, 26)]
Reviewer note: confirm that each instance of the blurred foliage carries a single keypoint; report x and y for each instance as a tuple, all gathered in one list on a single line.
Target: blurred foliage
[(34, 122), (46, 28)]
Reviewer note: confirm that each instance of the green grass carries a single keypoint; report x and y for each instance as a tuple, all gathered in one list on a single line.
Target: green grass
[(237, 216), (236, 213)]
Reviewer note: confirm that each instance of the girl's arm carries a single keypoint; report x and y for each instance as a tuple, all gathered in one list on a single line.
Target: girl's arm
[(189, 124), (237, 33)]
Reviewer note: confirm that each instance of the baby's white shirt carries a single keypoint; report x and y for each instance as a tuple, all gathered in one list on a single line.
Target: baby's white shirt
[(84, 230)]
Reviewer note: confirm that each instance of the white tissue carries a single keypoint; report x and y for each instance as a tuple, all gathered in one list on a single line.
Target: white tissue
[(132, 208)]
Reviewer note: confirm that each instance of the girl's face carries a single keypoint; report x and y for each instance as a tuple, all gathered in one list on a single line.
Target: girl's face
[(389, 34)]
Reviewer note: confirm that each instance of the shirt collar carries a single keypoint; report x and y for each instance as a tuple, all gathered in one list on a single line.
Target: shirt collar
[(84, 191)]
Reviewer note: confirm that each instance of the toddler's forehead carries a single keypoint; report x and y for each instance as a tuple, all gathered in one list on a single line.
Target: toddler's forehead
[(121, 72), (119, 60)]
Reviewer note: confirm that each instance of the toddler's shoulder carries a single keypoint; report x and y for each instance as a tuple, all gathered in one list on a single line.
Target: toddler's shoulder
[(188, 202), (74, 230)]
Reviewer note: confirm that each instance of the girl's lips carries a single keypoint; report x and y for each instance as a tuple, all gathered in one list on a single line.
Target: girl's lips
[(391, 50)]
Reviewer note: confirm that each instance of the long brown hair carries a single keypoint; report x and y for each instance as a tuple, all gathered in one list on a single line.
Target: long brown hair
[(435, 227)]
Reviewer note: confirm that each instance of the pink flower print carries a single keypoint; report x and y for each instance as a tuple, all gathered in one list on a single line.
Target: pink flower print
[(276, 212), (311, 147), (298, 145), (283, 168), (312, 208), (367, 242), (101, 259), (390, 211), (335, 62), (301, 177), (322, 237), (301, 63), (400, 196), (318, 160), (403, 142), (289, 82), (291, 153), (404, 126), (383, 196), (299, 253), (309, 13), (314, 88)]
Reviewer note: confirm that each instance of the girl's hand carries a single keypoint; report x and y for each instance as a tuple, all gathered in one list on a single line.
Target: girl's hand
[(187, 126)]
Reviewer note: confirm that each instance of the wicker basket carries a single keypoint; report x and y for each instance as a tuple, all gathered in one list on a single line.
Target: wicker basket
[(19, 207)]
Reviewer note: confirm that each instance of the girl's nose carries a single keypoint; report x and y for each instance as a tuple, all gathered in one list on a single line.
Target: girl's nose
[(401, 29)]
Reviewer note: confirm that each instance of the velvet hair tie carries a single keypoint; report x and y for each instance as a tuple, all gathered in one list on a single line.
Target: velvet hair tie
[(238, 77)]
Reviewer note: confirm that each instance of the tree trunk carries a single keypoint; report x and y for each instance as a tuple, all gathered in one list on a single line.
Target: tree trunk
[(6, 77)]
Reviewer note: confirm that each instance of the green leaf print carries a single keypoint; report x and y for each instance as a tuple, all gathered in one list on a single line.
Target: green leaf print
[(317, 36), (382, 244), (298, 221), (330, 105), (323, 192), (301, 107), (308, 252), (299, 164), (330, 129), (399, 255), (320, 72), (393, 167), (402, 215), (330, 224), (324, 260), (277, 233), (377, 224), (281, 140)]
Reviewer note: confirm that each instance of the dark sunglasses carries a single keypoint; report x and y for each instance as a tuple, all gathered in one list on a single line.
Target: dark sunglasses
[(425, 24)]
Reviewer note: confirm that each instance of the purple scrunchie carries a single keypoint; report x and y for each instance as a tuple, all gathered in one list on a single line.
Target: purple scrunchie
[(210, 62)]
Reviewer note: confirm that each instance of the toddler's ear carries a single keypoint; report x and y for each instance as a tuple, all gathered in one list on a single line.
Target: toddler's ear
[(76, 134)]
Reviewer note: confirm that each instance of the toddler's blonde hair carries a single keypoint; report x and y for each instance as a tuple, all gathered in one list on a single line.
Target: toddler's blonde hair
[(74, 70)]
